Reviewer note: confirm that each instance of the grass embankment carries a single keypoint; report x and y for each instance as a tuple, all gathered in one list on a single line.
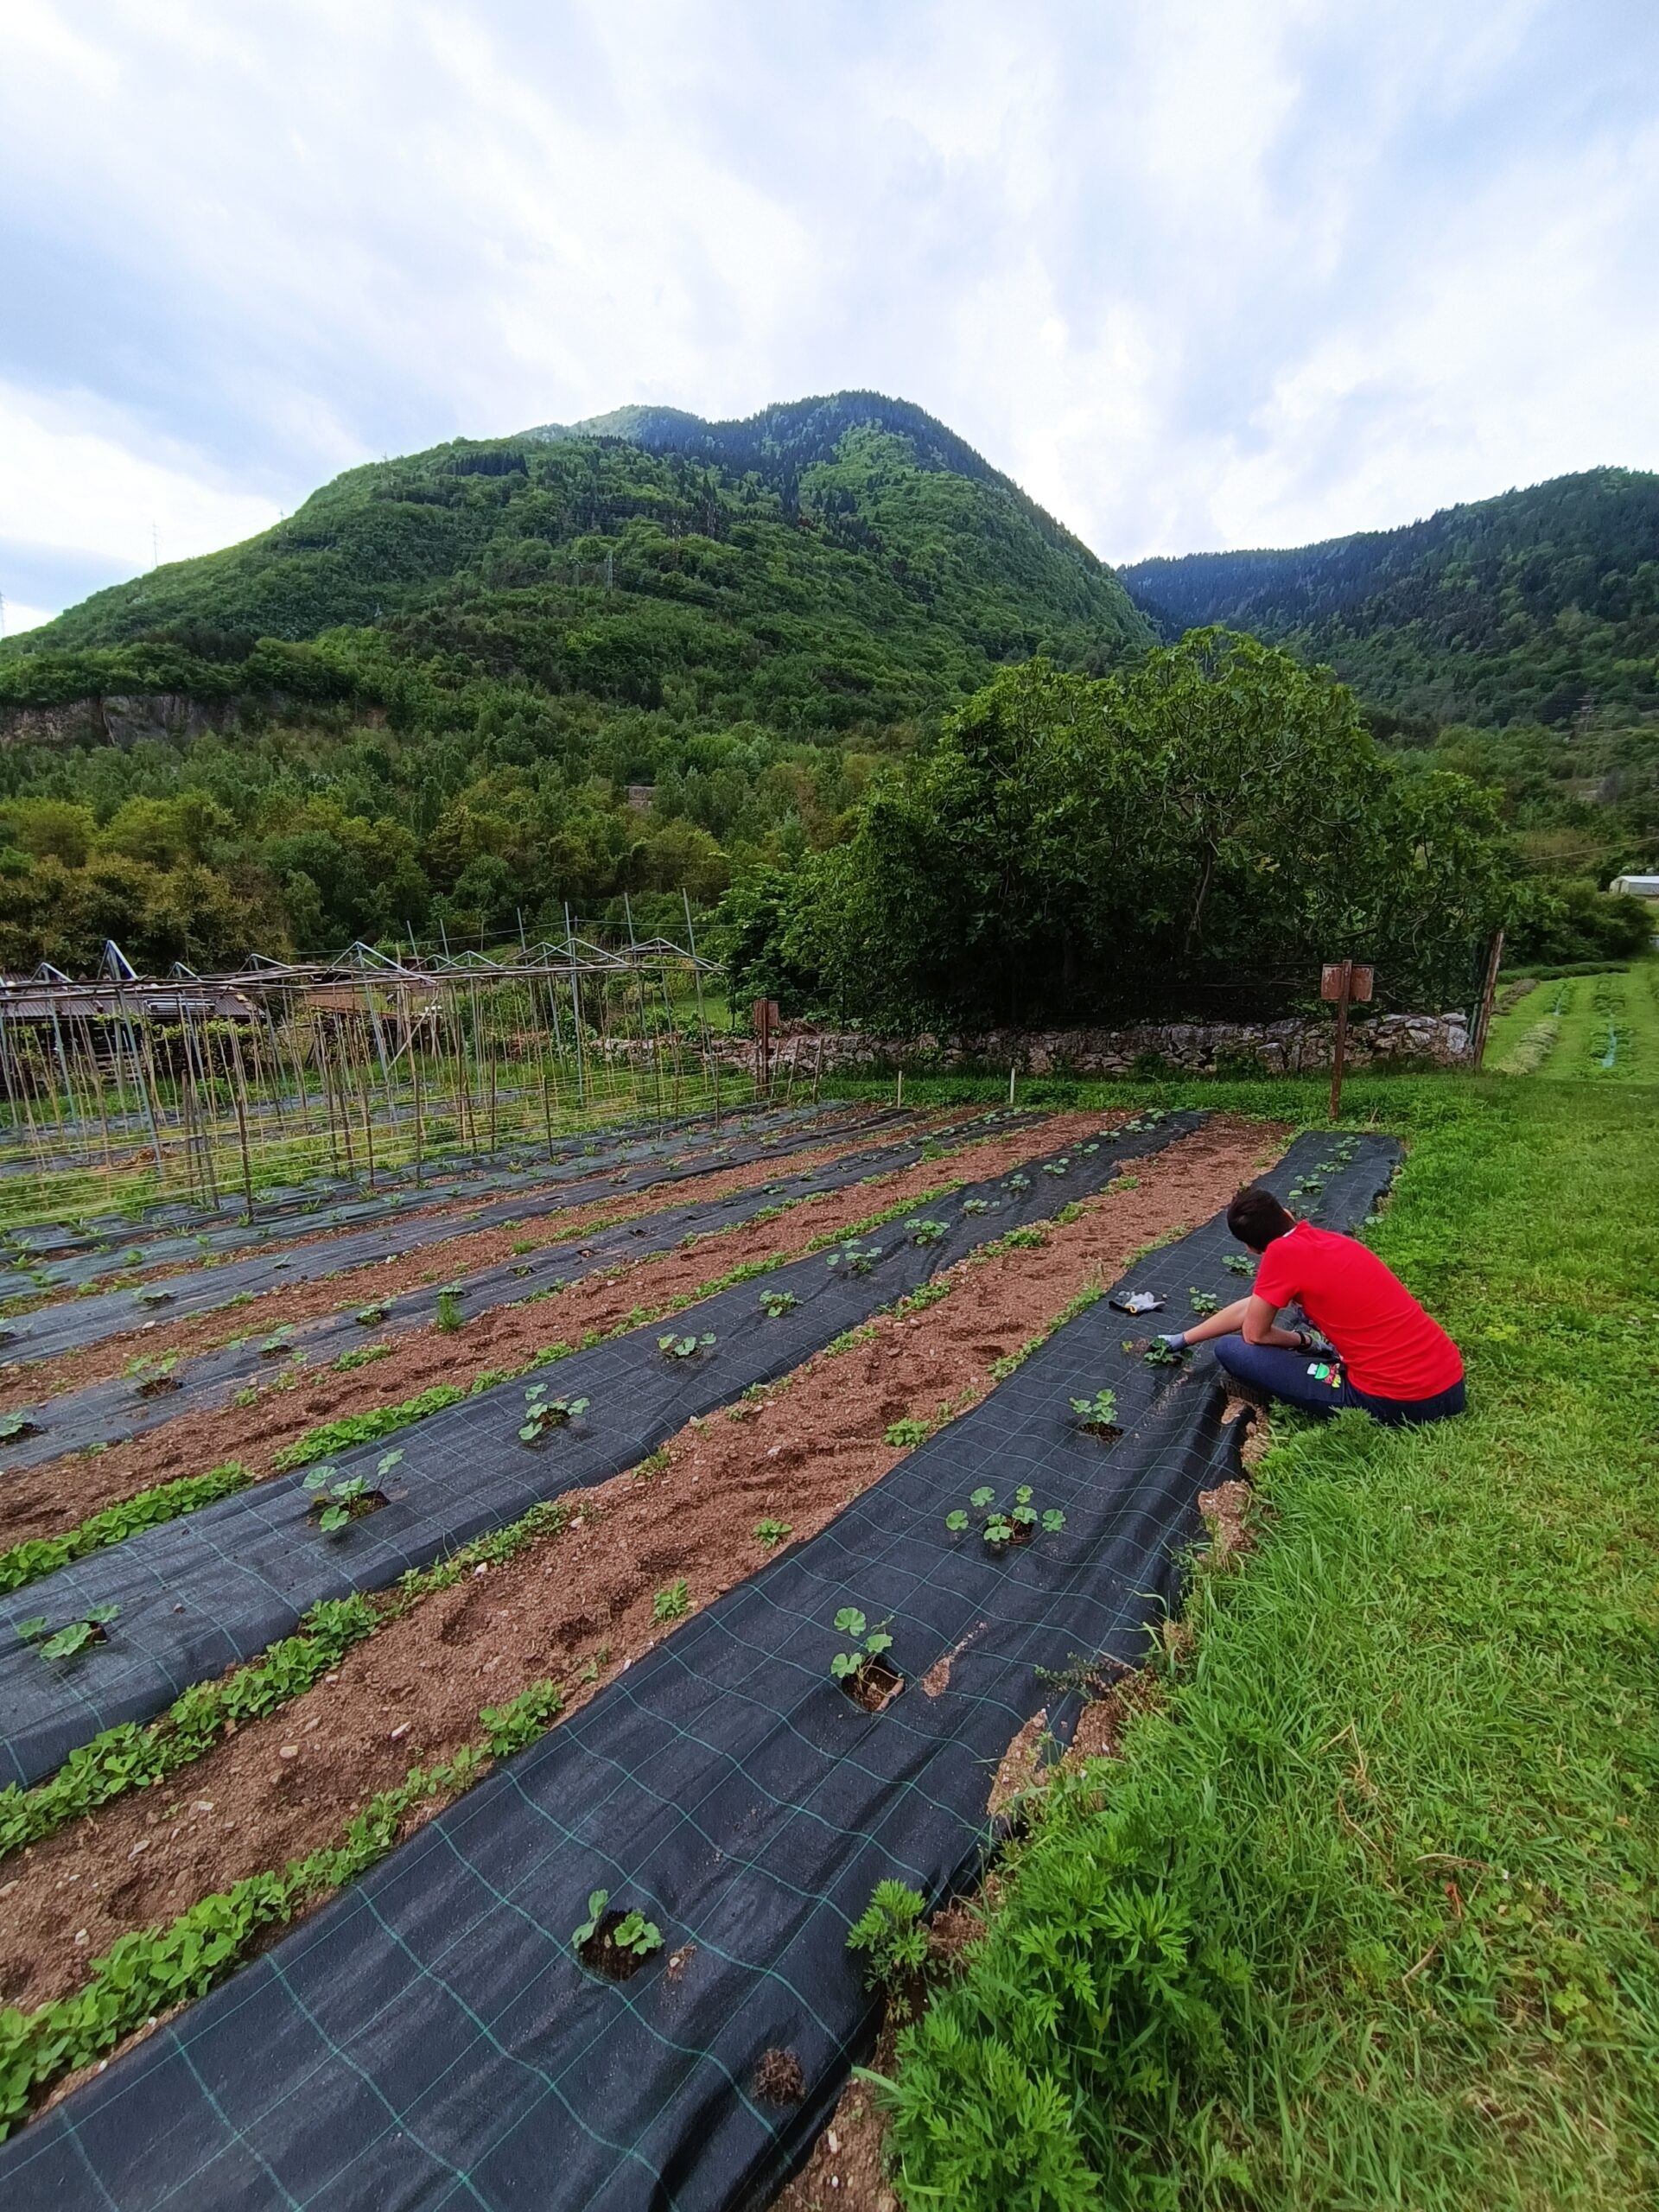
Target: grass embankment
[(1366, 1915)]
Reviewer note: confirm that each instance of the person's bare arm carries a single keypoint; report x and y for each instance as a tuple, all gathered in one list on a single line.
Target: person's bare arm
[(1253, 1319)]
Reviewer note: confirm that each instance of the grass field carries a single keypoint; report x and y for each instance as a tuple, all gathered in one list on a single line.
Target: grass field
[(1366, 1915)]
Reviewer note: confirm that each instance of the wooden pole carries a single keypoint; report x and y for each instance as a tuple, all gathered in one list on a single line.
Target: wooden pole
[(1341, 1053), (1483, 1016)]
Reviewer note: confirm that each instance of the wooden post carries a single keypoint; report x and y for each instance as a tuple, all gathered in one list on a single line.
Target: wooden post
[(764, 1016), (1341, 1053), (1342, 980), (1484, 1013)]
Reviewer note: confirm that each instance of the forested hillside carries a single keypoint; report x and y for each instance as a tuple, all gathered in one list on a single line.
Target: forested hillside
[(632, 655), (1517, 637)]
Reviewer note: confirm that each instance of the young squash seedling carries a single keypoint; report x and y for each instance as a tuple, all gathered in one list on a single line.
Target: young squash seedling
[(614, 1944), (1098, 1414), (1203, 1301), (278, 1344), (1017, 1183), (854, 1258), (976, 1205), (1056, 1166), (73, 1637), (341, 1499), (1159, 1354), (866, 1675), (153, 1379), (1238, 1263), (155, 1294), (774, 1304), (371, 1317), (677, 1347), (927, 1232), (543, 1414), (14, 1425), (999, 1527)]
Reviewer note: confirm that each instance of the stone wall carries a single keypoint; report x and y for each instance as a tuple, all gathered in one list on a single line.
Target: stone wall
[(1192, 1047)]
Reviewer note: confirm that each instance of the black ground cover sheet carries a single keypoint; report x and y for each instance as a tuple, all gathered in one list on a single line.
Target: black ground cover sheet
[(66, 1327), (199, 1593), (430, 2040), (114, 1407), (55, 1255)]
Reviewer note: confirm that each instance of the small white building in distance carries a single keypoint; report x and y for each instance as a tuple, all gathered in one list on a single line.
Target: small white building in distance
[(1638, 886)]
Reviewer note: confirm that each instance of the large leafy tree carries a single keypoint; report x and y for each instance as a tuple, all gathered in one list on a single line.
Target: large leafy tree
[(1217, 818)]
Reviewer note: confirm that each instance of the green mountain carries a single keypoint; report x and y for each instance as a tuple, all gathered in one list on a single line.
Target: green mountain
[(623, 657), (1540, 605)]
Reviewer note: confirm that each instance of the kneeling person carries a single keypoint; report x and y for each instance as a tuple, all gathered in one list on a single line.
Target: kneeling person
[(1391, 1359)]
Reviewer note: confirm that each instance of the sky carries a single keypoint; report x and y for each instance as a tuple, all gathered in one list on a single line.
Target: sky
[(1196, 273)]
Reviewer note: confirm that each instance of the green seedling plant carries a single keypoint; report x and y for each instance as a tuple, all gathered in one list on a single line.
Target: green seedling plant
[(1017, 1183), (1238, 1263), (1099, 1412), (672, 1604), (543, 1414), (999, 1526), (772, 1533), (73, 1637), (371, 1317), (851, 1669), (154, 1376), (854, 1258), (449, 1315), (633, 1937), (1203, 1301), (279, 1342), (1056, 1166), (907, 1434), (155, 1294), (926, 1232), (774, 1304), (976, 1205), (345, 1498), (13, 1426), (677, 1347), (1159, 1354)]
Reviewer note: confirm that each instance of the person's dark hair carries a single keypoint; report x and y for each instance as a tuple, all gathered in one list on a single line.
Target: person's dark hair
[(1256, 1217)]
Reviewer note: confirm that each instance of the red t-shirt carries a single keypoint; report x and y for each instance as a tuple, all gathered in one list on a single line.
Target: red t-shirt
[(1390, 1347)]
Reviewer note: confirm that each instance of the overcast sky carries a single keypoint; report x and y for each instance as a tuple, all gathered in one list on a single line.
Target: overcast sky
[(1196, 273)]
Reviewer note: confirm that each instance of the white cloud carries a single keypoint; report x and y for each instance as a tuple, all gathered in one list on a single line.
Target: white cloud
[(73, 479), (17, 617), (1197, 272)]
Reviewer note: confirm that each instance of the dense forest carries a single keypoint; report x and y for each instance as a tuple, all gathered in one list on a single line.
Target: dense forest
[(660, 659)]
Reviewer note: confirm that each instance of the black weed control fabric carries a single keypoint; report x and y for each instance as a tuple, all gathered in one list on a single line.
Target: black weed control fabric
[(53, 1329), (53, 1256), (430, 2040), (106, 1411), (200, 1594)]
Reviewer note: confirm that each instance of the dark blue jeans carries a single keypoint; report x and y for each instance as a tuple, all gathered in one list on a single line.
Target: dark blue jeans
[(1316, 1385)]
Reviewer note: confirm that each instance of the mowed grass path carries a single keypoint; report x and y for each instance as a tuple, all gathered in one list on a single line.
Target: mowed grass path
[(1604, 1028), (1367, 1915)]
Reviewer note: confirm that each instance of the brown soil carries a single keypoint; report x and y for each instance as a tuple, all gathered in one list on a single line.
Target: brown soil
[(41, 1501), (1020, 1768), (459, 1251), (284, 1784), (1229, 1515)]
